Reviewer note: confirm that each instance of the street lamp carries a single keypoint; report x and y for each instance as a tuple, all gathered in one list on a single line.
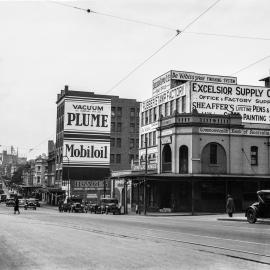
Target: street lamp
[(68, 176)]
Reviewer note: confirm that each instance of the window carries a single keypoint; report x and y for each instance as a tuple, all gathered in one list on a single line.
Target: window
[(132, 127), (38, 179), (132, 112), (137, 143), (119, 127), (184, 104), (154, 138), (177, 105), (213, 153), (150, 138), (112, 127), (39, 168), (171, 107), (119, 111), (142, 118), (112, 142), (131, 143), (118, 158), (166, 109), (118, 142), (112, 158), (155, 114), (113, 111), (146, 117), (254, 155), (159, 110), (142, 140), (150, 115), (131, 157)]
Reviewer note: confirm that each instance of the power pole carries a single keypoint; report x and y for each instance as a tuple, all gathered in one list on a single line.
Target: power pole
[(145, 173)]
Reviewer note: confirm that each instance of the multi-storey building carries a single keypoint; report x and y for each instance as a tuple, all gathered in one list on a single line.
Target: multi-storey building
[(201, 137), (95, 134)]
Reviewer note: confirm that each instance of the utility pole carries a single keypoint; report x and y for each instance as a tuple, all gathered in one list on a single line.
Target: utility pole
[(145, 173)]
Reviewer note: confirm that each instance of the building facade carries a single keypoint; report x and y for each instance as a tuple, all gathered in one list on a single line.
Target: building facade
[(201, 137), (94, 135)]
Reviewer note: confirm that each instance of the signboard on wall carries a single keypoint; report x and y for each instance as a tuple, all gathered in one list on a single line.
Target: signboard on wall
[(191, 76), (164, 97), (161, 84), (251, 102), (92, 153), (89, 185), (92, 115)]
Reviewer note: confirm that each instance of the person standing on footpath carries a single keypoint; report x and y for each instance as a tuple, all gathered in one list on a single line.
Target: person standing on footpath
[(16, 206), (230, 206)]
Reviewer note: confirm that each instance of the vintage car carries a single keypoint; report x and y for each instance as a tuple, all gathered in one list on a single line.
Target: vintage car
[(10, 202), (36, 200), (78, 207), (22, 202), (109, 205), (30, 204), (260, 209)]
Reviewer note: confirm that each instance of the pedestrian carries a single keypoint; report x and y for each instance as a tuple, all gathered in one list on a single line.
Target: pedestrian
[(137, 209), (230, 206), (16, 206)]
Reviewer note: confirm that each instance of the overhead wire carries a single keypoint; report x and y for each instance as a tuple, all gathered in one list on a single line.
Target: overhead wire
[(250, 65), (178, 32)]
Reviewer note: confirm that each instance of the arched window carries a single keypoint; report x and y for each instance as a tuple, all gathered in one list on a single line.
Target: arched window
[(183, 159), (254, 155), (167, 158)]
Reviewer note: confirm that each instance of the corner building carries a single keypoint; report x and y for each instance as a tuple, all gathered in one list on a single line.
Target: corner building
[(202, 137), (94, 135)]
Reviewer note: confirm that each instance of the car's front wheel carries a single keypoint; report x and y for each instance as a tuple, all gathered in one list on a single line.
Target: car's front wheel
[(251, 216)]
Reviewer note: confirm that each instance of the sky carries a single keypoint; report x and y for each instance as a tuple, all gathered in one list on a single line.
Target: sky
[(45, 45)]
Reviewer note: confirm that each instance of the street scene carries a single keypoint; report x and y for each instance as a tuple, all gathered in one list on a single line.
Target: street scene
[(47, 239), (134, 134)]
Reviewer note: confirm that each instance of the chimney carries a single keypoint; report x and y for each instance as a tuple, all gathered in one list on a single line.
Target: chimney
[(66, 88)]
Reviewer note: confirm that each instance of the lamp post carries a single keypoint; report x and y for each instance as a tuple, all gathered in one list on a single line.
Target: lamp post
[(68, 176)]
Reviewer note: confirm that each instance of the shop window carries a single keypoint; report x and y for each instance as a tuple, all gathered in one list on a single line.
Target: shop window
[(254, 155)]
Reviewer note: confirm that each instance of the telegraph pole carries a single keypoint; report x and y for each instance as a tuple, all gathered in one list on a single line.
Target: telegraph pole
[(145, 173)]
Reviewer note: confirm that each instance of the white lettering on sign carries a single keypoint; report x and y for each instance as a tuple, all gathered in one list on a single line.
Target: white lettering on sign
[(89, 184), (162, 83), (164, 97), (233, 131), (250, 101)]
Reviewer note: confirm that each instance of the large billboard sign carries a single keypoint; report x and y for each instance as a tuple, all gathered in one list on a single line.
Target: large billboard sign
[(251, 102), (87, 116), (87, 126)]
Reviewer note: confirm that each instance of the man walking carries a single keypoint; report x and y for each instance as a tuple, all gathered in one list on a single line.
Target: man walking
[(230, 205), (16, 206)]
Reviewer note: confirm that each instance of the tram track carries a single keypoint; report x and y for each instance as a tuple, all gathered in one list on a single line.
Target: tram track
[(235, 253)]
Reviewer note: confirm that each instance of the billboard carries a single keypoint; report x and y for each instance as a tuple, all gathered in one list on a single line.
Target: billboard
[(92, 116), (87, 126), (251, 102), (162, 83)]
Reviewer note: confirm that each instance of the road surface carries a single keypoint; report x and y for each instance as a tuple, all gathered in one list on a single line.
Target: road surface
[(47, 239)]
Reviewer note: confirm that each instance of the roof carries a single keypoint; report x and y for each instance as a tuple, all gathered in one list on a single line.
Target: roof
[(263, 191)]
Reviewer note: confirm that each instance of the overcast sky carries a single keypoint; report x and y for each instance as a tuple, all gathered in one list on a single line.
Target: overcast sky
[(44, 46)]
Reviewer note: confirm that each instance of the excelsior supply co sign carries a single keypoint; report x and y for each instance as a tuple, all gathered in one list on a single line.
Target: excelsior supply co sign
[(90, 116), (250, 101)]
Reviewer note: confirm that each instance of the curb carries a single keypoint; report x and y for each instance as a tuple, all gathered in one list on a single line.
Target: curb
[(232, 219)]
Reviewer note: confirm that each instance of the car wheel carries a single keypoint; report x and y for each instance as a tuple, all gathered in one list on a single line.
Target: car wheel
[(251, 216)]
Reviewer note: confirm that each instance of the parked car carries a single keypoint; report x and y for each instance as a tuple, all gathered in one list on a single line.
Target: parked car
[(109, 205), (10, 202), (92, 207), (78, 207), (260, 209), (22, 202), (30, 203), (36, 200)]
